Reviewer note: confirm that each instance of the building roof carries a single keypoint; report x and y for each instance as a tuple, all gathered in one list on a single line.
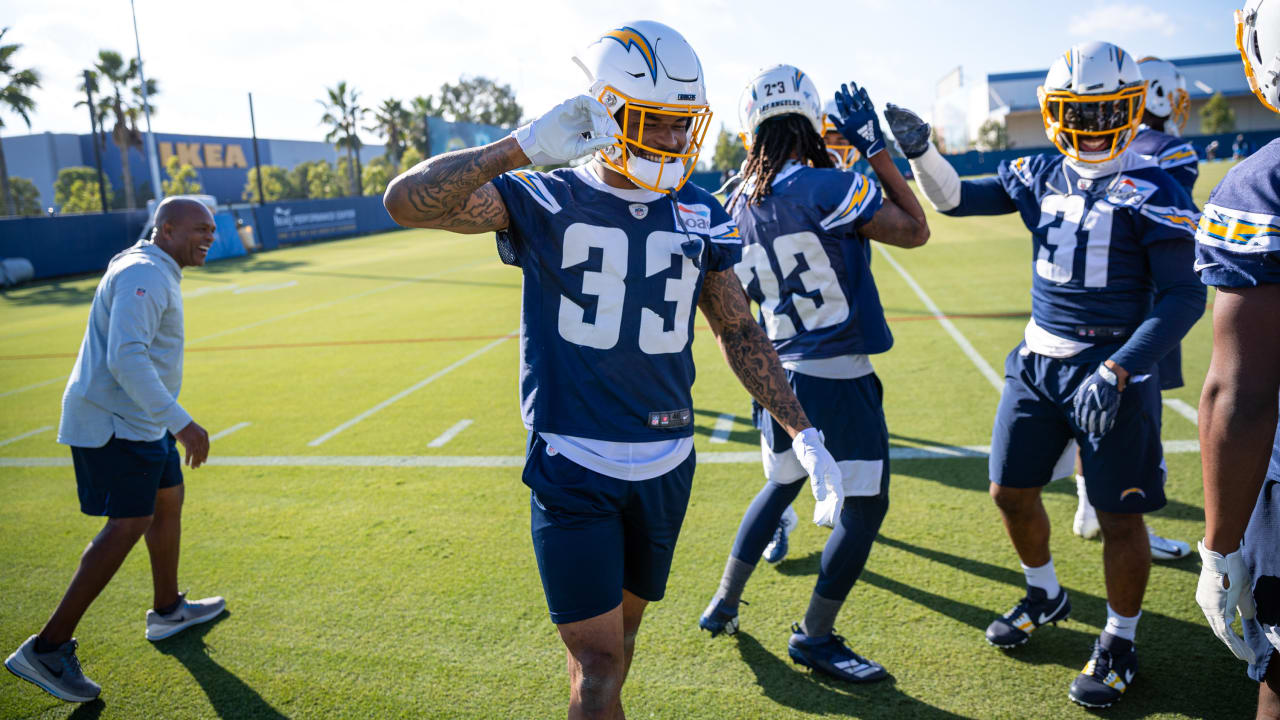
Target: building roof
[(1206, 74)]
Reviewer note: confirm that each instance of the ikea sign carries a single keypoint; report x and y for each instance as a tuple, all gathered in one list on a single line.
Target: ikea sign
[(214, 155)]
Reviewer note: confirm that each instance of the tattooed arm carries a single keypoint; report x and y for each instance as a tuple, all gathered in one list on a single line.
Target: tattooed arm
[(748, 350), (453, 192)]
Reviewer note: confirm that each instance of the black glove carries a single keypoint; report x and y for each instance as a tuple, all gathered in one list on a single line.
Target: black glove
[(908, 129)]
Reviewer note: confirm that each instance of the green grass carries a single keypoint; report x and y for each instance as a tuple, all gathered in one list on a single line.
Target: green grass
[(412, 592)]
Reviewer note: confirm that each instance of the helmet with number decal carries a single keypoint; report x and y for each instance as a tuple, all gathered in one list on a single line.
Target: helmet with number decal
[(1166, 92), (639, 70), (1258, 38), (1091, 102), (774, 91), (842, 152)]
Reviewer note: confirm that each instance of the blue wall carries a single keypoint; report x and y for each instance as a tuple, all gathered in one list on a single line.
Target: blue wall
[(70, 244), (299, 221)]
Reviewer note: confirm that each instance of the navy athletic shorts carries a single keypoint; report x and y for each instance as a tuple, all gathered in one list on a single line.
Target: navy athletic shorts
[(1124, 470), (595, 535), (120, 479)]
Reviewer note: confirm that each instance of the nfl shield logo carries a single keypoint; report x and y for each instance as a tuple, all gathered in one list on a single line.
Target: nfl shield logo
[(140, 292), (639, 211)]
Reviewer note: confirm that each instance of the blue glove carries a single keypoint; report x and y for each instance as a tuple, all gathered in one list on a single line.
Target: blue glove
[(858, 121), (1097, 401)]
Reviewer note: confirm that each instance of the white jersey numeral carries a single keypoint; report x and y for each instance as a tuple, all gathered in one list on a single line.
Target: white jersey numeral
[(609, 287), (820, 277), (1055, 260)]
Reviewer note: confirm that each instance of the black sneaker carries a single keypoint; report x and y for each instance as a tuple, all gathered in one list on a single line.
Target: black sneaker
[(829, 655), (57, 672), (1109, 672), (1033, 611)]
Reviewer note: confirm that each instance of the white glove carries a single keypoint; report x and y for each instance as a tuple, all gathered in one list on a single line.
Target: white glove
[(824, 476), (1219, 602), (576, 127)]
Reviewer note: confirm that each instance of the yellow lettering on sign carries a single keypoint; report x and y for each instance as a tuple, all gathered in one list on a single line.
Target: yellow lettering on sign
[(213, 155), (189, 154), (235, 156), (166, 151)]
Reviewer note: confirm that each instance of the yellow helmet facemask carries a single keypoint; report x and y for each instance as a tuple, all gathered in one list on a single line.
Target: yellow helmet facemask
[(1181, 109), (1070, 118), (842, 153), (628, 155)]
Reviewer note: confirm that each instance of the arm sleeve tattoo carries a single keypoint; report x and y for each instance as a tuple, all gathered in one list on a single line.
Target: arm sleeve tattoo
[(747, 349), (452, 191)]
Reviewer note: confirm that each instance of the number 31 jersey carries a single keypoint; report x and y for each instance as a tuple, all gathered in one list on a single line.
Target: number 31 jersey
[(807, 267), (611, 279)]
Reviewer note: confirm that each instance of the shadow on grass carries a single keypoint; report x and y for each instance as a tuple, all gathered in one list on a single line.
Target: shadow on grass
[(54, 293), (229, 695), (809, 692), (251, 264), (1183, 670), (88, 711), (750, 436)]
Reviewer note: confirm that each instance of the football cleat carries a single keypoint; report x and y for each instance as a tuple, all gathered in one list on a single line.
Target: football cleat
[(1109, 672), (720, 617), (1035, 610), (776, 550), (1163, 548), (829, 655)]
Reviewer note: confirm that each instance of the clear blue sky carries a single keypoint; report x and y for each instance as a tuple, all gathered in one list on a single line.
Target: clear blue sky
[(206, 57)]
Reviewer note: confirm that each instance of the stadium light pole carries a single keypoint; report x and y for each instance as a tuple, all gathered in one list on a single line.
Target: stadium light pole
[(253, 128), (93, 123), (156, 188)]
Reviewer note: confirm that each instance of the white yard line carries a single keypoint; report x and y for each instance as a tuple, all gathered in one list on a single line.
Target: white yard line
[(450, 434), (25, 435), (410, 390), (41, 384), (723, 426), (264, 287), (935, 452), (228, 431), (1183, 409), (996, 379)]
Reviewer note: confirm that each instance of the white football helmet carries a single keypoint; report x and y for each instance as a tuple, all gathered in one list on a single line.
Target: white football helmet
[(1166, 90), (646, 68), (843, 153), (778, 90), (1092, 101), (1258, 38)]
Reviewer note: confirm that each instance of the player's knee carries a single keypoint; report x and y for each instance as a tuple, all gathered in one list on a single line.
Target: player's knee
[(599, 679), (1122, 527), (1011, 501), (128, 528)]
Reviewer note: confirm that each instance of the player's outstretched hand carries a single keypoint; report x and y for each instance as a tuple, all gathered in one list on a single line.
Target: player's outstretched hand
[(824, 476), (576, 127), (1224, 587), (911, 132), (858, 121), (1097, 401), (196, 442)]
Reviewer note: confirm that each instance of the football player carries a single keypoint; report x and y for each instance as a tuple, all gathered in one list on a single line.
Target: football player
[(805, 228), (1238, 252), (1157, 140), (1112, 292), (615, 254)]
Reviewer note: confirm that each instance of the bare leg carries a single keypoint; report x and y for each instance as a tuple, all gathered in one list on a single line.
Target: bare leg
[(98, 564), (1126, 560), (633, 607), (1026, 522), (1269, 692), (597, 665), (163, 542)]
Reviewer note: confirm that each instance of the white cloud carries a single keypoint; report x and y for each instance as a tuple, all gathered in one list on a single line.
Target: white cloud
[(1111, 20)]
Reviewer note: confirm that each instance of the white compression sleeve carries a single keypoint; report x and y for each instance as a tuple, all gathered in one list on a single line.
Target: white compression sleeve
[(938, 180)]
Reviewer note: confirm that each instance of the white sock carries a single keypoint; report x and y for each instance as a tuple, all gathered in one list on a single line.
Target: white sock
[(1121, 626), (1081, 492), (1043, 577)]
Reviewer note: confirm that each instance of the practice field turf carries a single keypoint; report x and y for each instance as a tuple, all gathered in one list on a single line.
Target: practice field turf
[(364, 515)]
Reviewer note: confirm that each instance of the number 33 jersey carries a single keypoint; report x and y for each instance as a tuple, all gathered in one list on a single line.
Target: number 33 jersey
[(611, 279), (807, 267)]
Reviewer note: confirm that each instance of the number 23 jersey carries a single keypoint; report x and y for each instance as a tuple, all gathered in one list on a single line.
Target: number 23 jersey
[(611, 280)]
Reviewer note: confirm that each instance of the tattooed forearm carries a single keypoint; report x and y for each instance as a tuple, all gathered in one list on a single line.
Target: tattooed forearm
[(748, 351), (452, 191)]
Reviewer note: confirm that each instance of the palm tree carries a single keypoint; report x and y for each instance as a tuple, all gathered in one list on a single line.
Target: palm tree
[(342, 113), (419, 127), (391, 120), (124, 103), (15, 98)]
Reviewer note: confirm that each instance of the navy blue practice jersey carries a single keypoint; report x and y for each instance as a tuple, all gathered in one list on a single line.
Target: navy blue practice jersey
[(610, 286), (807, 266), (1238, 240), (1097, 245), (1173, 154)]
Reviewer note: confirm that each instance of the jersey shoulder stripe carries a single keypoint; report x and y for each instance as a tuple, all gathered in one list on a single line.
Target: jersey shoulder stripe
[(531, 183), (726, 234), (1177, 156), (1174, 217), (1238, 230), (861, 194)]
